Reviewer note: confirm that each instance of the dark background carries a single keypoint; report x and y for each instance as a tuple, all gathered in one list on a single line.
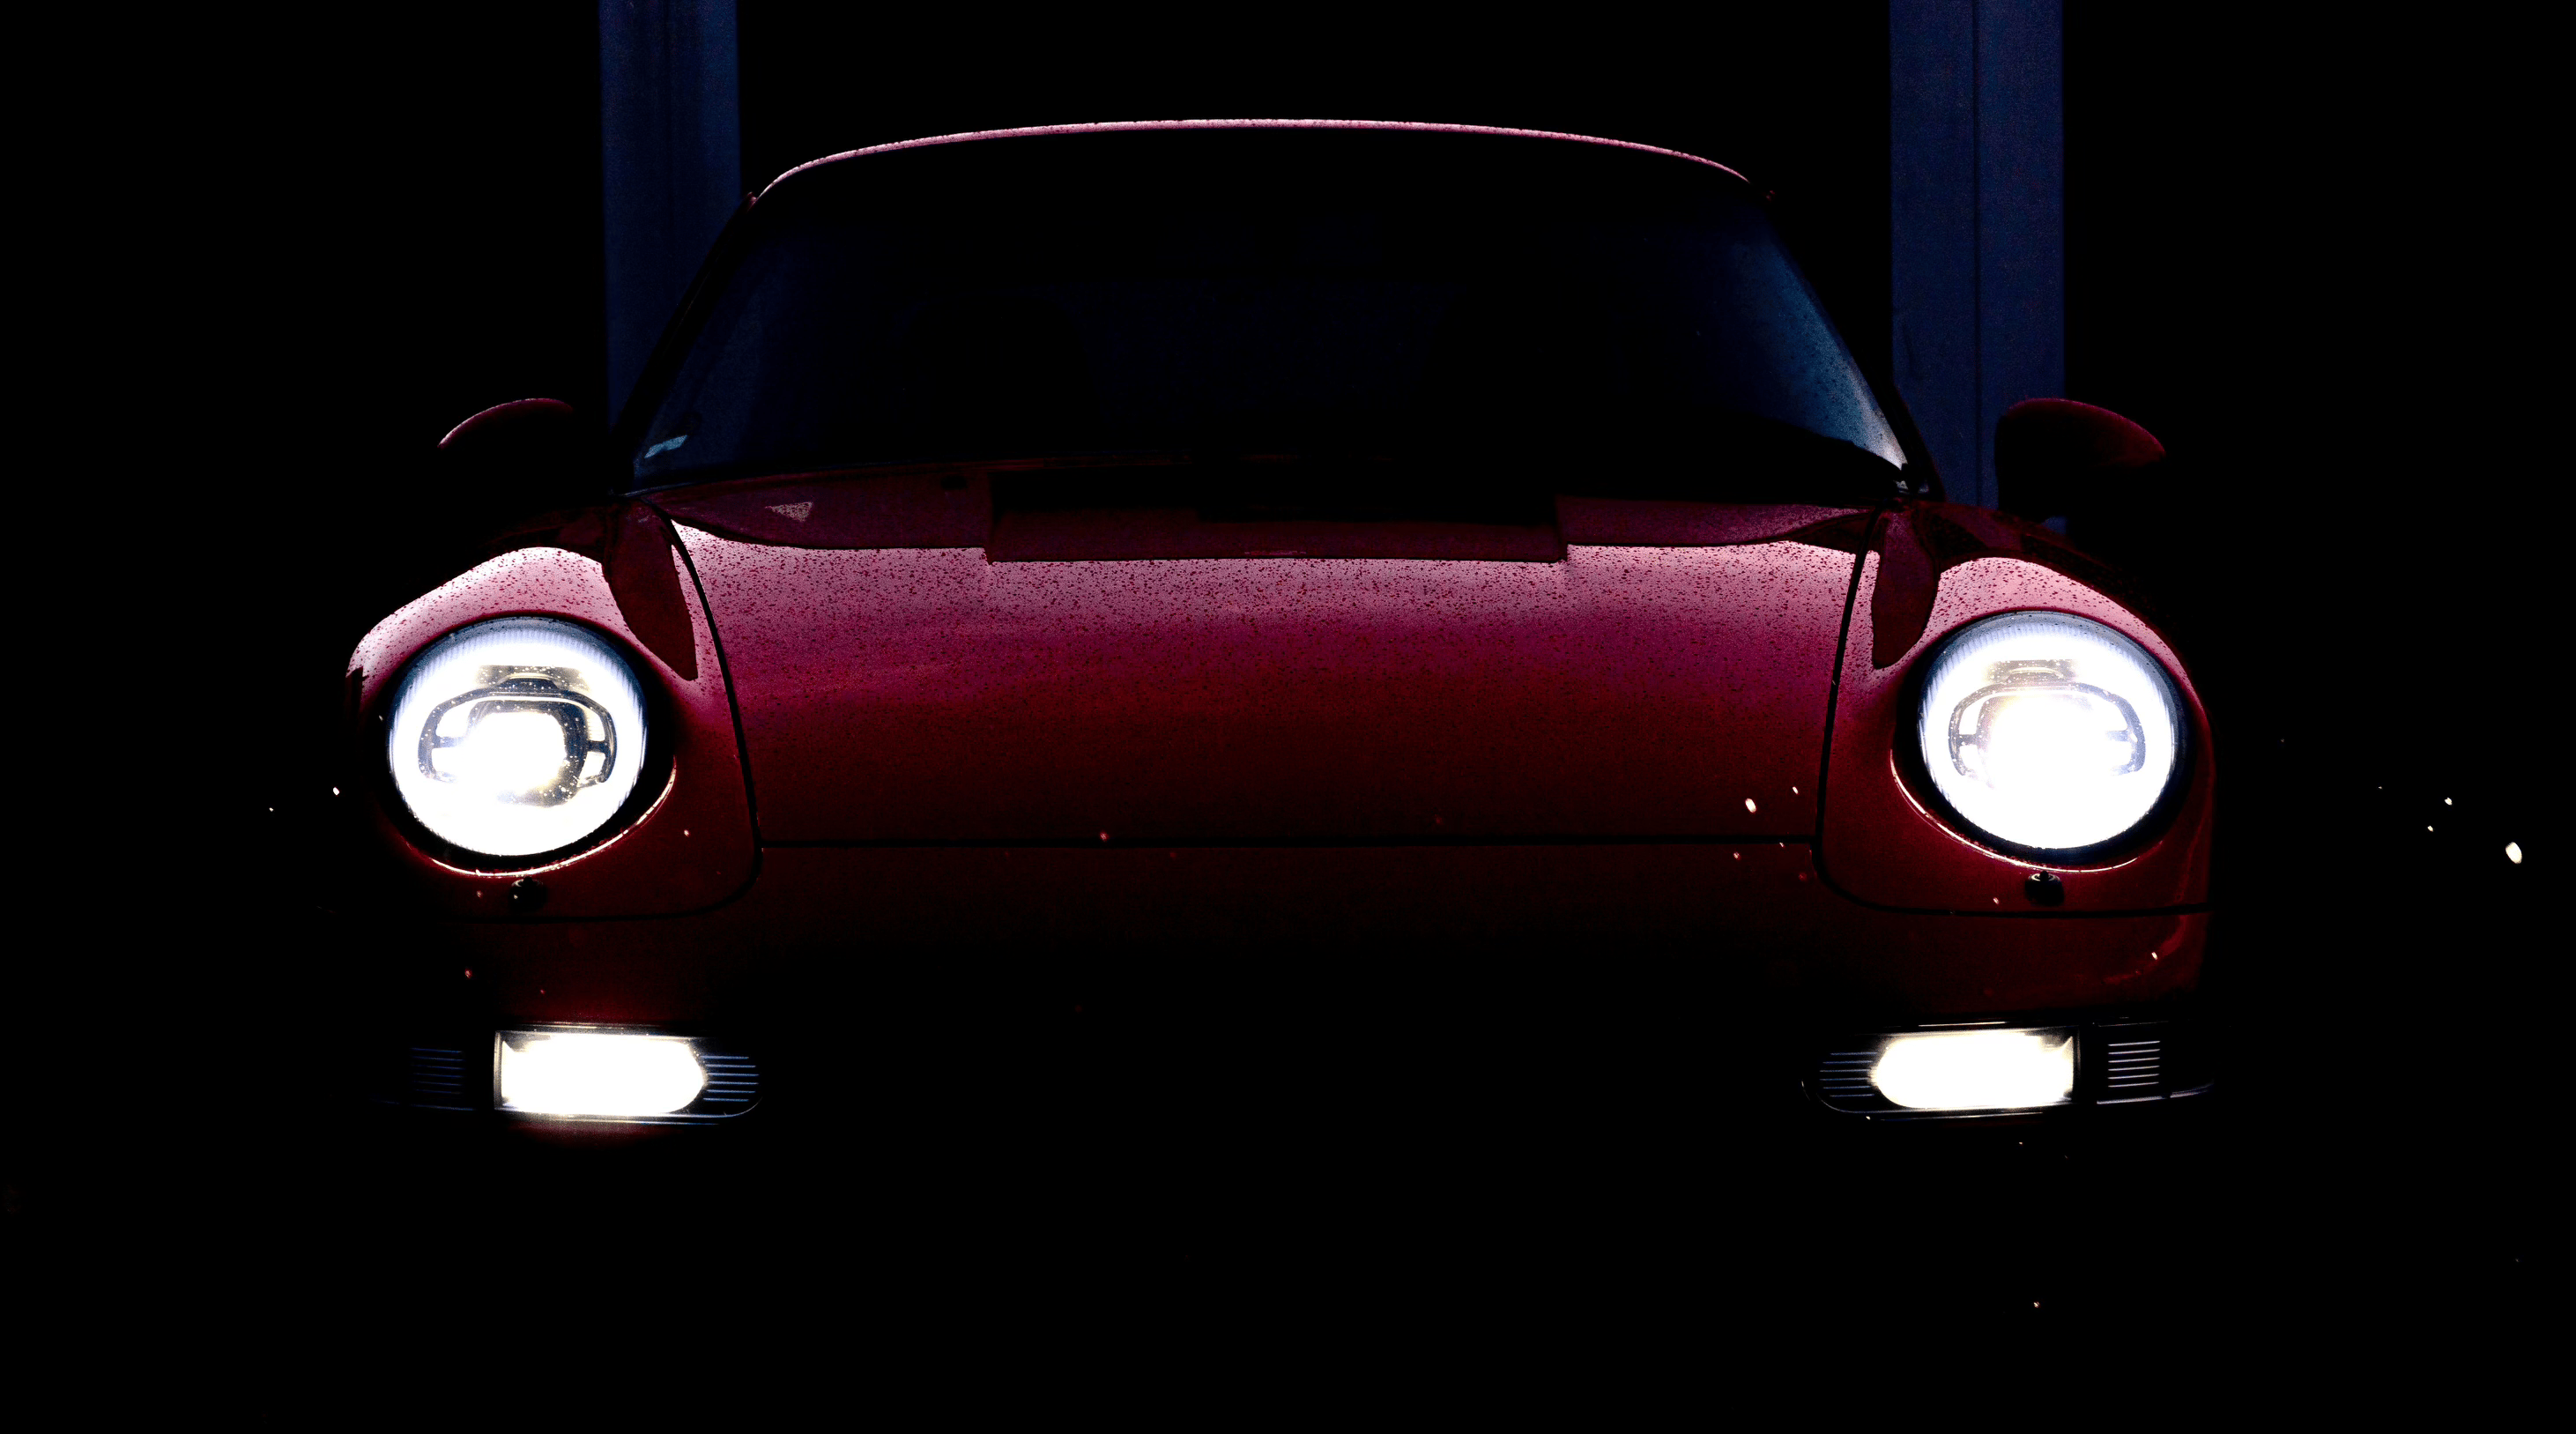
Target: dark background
[(286, 262)]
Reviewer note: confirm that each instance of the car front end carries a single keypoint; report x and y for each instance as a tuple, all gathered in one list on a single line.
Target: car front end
[(894, 728)]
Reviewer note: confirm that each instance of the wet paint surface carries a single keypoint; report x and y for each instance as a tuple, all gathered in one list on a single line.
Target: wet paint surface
[(926, 694)]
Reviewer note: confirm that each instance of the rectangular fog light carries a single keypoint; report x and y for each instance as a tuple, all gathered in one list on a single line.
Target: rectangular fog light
[(598, 1073), (1977, 1070)]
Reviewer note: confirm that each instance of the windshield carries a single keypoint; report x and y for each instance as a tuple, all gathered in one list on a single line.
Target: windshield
[(1372, 300)]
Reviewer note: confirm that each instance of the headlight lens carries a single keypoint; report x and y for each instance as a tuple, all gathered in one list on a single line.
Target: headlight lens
[(1977, 1070), (2047, 732), (517, 737), (598, 1073)]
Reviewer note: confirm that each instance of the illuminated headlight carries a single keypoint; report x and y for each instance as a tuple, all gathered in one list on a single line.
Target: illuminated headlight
[(517, 737), (2048, 733), (598, 1073), (1976, 1070)]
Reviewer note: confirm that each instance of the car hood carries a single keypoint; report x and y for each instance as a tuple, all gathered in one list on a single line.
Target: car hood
[(933, 694)]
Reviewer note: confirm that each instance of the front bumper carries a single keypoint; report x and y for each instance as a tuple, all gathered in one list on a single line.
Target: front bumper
[(861, 977)]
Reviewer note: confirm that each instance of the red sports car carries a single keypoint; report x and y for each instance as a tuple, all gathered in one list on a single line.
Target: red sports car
[(1291, 559)]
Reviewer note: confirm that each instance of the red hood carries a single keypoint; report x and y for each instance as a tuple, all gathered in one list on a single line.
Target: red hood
[(927, 694)]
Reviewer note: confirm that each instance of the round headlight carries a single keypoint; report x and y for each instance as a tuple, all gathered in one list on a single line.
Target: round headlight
[(2048, 733), (516, 737)]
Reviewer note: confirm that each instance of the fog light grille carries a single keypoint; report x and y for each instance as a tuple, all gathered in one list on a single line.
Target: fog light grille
[(733, 1083), (435, 1077), (2133, 1067), (1842, 1081)]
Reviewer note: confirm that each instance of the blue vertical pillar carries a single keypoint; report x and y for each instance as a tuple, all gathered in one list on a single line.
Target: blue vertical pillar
[(670, 141), (1977, 242)]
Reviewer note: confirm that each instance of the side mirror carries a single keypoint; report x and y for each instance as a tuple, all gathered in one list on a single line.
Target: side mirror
[(2054, 456), (515, 459)]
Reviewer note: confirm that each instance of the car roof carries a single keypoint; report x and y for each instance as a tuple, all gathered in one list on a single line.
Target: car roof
[(1128, 125)]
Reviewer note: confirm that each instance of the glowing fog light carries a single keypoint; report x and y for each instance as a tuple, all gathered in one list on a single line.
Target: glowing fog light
[(598, 1073), (2048, 732), (1977, 1070), (517, 737)]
